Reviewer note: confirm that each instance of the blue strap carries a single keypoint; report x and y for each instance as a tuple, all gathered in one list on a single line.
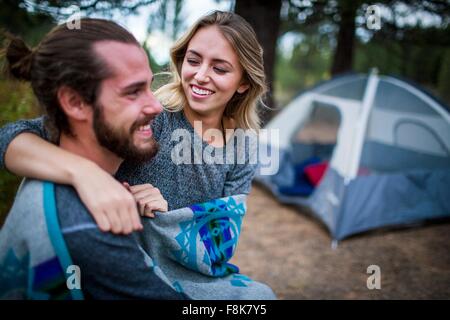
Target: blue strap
[(55, 234)]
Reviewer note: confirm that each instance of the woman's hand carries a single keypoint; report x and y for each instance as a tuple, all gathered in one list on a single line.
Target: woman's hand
[(112, 206), (148, 198)]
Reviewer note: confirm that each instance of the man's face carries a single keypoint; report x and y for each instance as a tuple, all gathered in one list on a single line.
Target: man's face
[(126, 106)]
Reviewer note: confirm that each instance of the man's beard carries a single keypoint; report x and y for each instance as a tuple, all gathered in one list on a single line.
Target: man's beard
[(121, 143)]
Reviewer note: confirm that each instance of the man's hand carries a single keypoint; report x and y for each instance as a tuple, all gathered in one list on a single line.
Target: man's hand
[(148, 198)]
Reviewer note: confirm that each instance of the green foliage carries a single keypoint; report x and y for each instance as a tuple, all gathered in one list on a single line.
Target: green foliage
[(308, 64), (15, 18), (17, 101), (387, 58), (418, 52), (425, 64), (168, 18)]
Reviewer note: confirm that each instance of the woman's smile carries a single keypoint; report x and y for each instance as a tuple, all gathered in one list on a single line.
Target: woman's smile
[(200, 92)]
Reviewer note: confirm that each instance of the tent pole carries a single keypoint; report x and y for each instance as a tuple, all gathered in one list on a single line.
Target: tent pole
[(361, 125), (334, 244)]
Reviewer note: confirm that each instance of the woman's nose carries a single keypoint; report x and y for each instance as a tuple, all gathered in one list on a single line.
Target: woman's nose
[(202, 74)]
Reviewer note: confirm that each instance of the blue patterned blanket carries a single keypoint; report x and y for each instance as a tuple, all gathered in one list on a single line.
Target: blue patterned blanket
[(190, 249)]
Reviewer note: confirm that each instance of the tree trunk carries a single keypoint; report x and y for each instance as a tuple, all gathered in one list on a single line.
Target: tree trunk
[(343, 56), (264, 16)]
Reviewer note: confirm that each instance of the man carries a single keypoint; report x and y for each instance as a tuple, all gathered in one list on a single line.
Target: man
[(94, 83)]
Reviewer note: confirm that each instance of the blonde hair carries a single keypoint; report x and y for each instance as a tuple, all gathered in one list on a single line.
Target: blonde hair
[(241, 107)]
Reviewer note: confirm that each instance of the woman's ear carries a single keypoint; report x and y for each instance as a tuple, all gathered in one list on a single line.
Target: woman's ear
[(72, 104), (242, 88)]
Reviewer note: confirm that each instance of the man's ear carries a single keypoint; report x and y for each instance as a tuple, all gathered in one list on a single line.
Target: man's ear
[(242, 88), (72, 103)]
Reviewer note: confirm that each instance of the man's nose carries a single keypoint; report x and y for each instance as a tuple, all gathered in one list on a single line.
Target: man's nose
[(152, 105)]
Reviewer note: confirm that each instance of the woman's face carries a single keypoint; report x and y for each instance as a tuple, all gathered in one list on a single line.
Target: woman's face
[(211, 73)]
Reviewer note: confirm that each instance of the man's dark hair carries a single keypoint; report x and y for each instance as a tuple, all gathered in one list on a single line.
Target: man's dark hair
[(65, 57)]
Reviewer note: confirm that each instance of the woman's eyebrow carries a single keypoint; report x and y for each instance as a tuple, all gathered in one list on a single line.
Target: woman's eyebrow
[(215, 60), (194, 52), (224, 61)]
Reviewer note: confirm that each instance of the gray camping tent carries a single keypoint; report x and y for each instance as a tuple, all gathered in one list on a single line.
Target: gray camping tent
[(362, 151)]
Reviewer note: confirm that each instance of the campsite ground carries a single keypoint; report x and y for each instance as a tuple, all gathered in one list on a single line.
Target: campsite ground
[(292, 253)]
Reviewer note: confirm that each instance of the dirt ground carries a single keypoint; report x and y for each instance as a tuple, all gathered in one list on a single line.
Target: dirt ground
[(292, 253)]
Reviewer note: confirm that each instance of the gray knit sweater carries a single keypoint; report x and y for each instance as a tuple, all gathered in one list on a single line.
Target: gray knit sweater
[(180, 184)]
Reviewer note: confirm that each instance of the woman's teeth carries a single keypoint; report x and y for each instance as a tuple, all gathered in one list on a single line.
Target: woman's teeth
[(201, 91)]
